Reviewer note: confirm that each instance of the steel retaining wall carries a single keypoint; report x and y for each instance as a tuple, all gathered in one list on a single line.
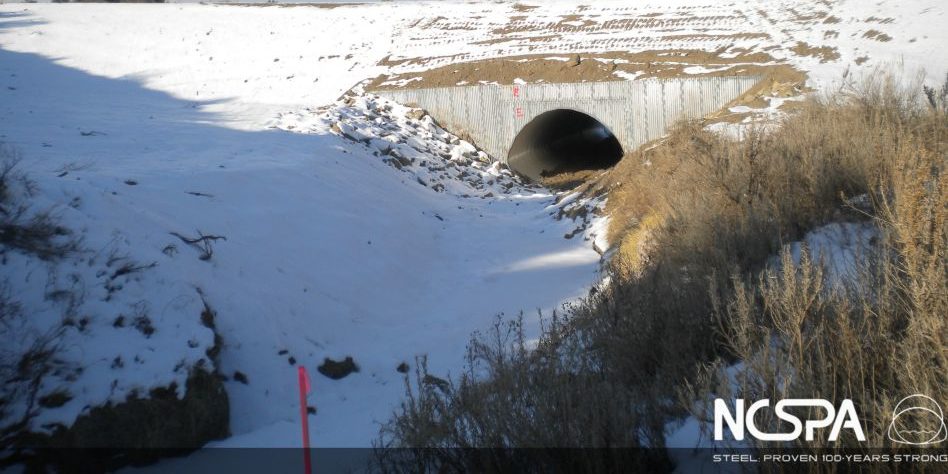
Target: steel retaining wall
[(636, 111)]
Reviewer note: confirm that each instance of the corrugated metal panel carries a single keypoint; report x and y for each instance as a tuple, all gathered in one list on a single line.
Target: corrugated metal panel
[(671, 92), (691, 97), (639, 124), (635, 111), (655, 113)]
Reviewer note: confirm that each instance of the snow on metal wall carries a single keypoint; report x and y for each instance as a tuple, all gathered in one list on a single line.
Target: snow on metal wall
[(635, 111)]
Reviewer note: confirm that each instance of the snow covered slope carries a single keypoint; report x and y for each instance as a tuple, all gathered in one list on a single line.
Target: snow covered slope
[(825, 38), (224, 120), (330, 251)]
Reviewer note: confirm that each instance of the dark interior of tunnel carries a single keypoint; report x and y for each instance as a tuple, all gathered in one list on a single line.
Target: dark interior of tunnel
[(563, 141)]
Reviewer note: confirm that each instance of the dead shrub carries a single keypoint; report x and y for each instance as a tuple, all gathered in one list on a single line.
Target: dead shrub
[(21, 227), (556, 396), (875, 338), (23, 368)]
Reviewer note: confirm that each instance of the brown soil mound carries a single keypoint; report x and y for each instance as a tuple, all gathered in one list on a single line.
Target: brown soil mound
[(584, 67)]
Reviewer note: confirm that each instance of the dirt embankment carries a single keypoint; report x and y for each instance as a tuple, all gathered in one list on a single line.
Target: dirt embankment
[(585, 67)]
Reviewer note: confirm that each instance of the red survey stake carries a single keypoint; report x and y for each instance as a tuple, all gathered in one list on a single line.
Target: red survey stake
[(304, 389)]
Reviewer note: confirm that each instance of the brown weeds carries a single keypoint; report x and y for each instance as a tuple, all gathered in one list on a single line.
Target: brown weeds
[(696, 220)]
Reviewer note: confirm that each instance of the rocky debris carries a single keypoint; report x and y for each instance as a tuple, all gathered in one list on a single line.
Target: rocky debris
[(409, 140), (240, 377), (337, 369), (416, 114)]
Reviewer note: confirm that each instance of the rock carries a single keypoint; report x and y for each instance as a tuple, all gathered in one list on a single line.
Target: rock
[(416, 114), (241, 377), (337, 370), (401, 159)]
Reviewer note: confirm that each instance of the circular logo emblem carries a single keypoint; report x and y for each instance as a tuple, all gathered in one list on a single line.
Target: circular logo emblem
[(917, 420)]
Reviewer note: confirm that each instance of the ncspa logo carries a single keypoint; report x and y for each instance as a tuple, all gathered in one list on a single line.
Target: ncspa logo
[(843, 418), (917, 420)]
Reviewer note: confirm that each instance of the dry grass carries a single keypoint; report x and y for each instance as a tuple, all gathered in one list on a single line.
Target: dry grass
[(568, 180), (25, 367), (696, 219), (22, 228), (874, 338)]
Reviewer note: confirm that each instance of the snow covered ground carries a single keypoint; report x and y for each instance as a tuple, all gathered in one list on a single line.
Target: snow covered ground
[(154, 119), (330, 251)]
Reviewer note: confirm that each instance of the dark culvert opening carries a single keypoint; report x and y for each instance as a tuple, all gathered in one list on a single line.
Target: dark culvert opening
[(563, 142)]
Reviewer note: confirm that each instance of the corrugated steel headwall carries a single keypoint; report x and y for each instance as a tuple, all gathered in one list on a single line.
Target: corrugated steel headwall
[(635, 111)]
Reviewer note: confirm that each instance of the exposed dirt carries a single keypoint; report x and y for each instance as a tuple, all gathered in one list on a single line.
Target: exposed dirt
[(581, 67), (877, 35), (825, 53), (524, 8)]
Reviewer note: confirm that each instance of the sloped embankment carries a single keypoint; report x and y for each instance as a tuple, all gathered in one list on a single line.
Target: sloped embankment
[(87, 360)]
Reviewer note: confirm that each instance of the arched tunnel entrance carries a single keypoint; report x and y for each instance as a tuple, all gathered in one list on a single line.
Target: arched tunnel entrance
[(563, 141)]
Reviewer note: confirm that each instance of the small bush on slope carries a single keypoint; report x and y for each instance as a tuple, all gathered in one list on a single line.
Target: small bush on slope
[(23, 228), (37, 370), (701, 208)]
